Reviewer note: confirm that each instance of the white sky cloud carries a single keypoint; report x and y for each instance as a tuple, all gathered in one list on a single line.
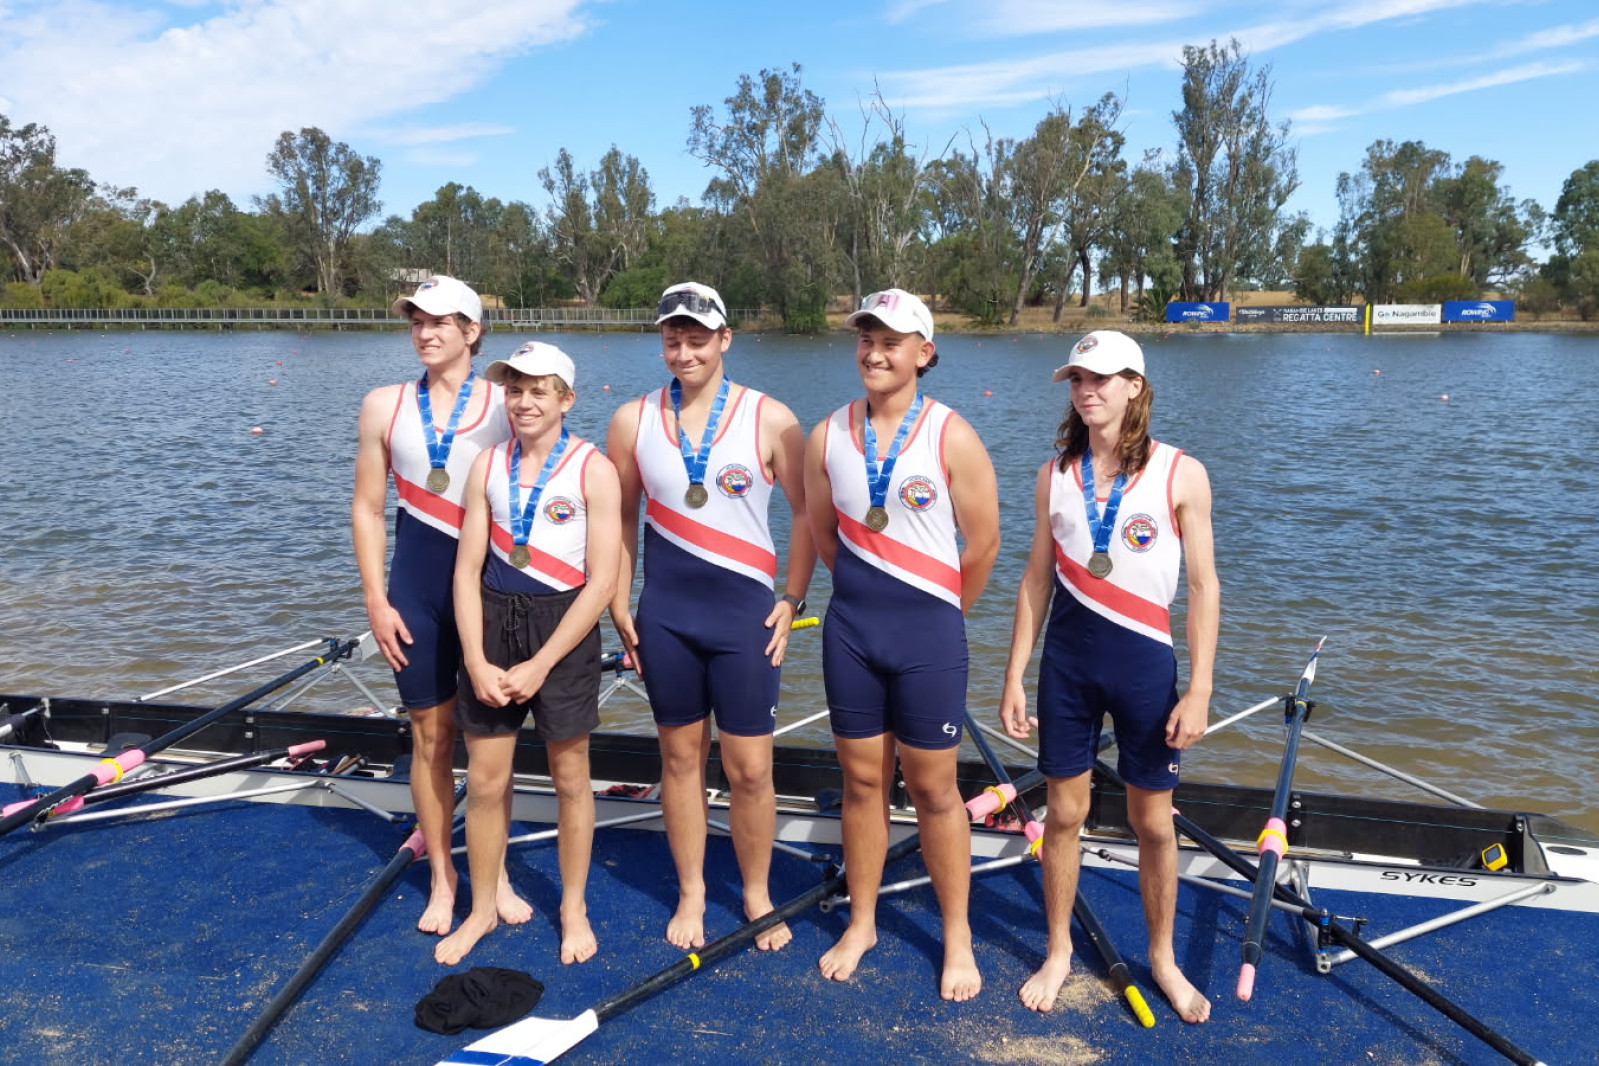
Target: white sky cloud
[(1004, 82), (1023, 18), (131, 98), (1309, 121), (439, 134)]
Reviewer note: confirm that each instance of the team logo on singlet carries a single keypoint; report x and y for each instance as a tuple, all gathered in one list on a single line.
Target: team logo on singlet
[(1139, 532), (734, 481), (917, 493), (560, 510)]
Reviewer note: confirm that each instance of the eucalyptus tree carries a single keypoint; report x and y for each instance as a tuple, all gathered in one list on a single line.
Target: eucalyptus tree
[(1234, 165), (39, 201), (764, 147), (1575, 219), (1138, 243), (326, 190), (597, 222)]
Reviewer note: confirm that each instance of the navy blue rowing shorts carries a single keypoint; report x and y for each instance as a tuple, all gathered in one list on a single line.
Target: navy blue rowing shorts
[(1092, 667)]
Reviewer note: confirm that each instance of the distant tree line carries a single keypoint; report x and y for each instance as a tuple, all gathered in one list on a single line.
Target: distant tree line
[(803, 207)]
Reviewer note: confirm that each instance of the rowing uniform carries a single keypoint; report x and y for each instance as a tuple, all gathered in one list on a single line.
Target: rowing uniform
[(1108, 648), (427, 527), (709, 573), (894, 644), (523, 606)]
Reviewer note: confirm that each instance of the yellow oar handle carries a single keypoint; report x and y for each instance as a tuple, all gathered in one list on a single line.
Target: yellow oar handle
[(1135, 999), (805, 623)]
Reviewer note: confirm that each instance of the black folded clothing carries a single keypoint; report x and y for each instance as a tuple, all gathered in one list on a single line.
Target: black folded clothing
[(485, 997)]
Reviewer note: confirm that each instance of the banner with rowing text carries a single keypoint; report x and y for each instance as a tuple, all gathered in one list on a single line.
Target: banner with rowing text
[(1406, 314), (1215, 311), (1348, 314), (1479, 310)]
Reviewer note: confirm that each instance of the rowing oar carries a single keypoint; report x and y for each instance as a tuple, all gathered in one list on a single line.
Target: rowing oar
[(13, 722), (1326, 926), (541, 1040), (1273, 840), (1119, 973), (176, 777), (413, 849), (109, 771)]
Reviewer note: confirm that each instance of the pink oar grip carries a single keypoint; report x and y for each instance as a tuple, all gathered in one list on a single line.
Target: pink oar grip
[(12, 808), (1035, 834), (990, 800), (307, 748), (417, 843), (1273, 838), (1246, 981)]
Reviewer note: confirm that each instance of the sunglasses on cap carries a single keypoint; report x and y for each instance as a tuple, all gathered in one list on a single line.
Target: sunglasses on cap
[(689, 302)]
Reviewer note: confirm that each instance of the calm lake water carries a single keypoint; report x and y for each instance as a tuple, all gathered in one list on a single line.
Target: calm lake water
[(1446, 547)]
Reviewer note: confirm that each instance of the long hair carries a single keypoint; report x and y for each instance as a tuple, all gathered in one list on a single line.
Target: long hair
[(1071, 439)]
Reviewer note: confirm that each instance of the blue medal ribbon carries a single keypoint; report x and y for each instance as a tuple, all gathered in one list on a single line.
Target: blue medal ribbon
[(522, 515), (695, 462), (877, 480), (1100, 530), (439, 447)]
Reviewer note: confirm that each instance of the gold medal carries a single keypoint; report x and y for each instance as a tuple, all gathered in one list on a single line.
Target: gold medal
[(520, 556), (438, 479), (877, 519), (696, 496), (1099, 564)]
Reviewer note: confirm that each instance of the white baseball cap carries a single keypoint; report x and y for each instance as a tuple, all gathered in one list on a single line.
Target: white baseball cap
[(535, 359), (692, 300), (441, 295), (1104, 351), (900, 311)]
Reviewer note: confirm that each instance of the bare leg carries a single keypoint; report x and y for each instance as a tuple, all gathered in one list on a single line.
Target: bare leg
[(569, 769), (868, 766), (488, 778), (946, 847), (747, 761), (1068, 808), (513, 909), (433, 795), (1150, 815), (684, 749)]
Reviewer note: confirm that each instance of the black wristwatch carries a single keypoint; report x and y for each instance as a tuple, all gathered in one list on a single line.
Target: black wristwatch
[(795, 602)]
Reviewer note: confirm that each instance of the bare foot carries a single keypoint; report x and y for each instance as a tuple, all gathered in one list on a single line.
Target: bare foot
[(453, 948), (577, 939), (840, 960), (513, 909), (439, 914), (686, 930), (777, 936), (1186, 1000), (1039, 991), (960, 981)]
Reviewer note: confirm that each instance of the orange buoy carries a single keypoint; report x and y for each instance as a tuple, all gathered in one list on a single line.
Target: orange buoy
[(256, 430), (988, 392), (280, 362), (1444, 397), (272, 381), (605, 388)]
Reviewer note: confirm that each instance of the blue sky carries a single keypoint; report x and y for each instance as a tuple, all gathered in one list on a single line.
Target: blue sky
[(181, 96)]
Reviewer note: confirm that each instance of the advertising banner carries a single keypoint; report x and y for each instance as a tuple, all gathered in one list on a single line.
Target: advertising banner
[(1479, 310), (1349, 315), (1406, 314), (1192, 312)]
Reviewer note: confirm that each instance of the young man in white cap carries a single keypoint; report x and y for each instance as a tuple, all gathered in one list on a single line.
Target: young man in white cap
[(710, 632), (891, 480), (1117, 516), (536, 569), (426, 433)]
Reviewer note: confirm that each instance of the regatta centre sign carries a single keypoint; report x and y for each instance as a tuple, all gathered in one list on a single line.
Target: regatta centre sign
[(1347, 314), (1215, 311), (1406, 314), (1479, 310)]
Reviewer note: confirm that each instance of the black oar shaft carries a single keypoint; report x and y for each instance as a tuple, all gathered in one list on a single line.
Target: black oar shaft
[(133, 757), (725, 945), (415, 847), (314, 962), (1349, 939), (1120, 975), (107, 793)]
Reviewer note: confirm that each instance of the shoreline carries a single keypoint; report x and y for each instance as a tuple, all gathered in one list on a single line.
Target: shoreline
[(946, 325)]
